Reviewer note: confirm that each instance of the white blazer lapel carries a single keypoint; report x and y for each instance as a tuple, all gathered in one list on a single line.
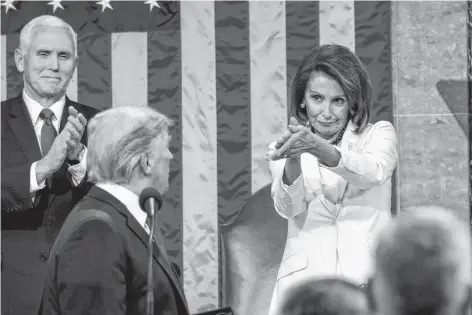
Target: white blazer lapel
[(350, 142), (314, 184)]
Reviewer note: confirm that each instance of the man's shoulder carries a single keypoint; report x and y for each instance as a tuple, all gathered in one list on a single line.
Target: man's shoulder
[(8, 103), (90, 208), (86, 110)]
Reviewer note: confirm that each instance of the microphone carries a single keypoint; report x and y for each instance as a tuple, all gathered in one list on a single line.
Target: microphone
[(149, 201)]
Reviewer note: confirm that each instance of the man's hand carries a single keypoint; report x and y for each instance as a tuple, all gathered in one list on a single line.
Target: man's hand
[(76, 127), (53, 160)]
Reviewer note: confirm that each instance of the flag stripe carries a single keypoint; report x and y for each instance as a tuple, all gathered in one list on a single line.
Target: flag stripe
[(302, 35), (15, 79), (373, 40), (373, 48), (199, 156), (3, 46), (268, 82), (165, 95), (129, 68), (337, 23), (94, 70), (233, 101), (469, 98)]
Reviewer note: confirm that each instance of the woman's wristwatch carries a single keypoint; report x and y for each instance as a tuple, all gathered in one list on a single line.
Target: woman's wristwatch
[(79, 158)]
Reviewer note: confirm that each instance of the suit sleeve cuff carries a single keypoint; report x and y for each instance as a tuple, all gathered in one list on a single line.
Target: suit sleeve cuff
[(346, 165), (34, 186), (295, 189), (78, 171)]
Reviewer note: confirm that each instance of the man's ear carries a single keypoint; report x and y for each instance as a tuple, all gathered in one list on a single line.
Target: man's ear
[(19, 60), (145, 164), (76, 62)]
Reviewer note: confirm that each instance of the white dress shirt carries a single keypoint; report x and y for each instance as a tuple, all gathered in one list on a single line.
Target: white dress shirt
[(129, 199), (34, 109)]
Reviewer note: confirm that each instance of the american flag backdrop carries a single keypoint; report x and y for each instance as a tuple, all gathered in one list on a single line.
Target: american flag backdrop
[(221, 70)]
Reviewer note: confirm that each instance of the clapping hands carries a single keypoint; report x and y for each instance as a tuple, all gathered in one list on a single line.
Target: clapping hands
[(295, 141), (76, 124)]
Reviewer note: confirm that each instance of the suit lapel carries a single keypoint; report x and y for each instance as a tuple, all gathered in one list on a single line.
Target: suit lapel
[(65, 114), (157, 254), (138, 230), (22, 127), (350, 142)]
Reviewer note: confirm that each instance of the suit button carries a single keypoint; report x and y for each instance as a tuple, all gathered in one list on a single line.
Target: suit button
[(43, 257)]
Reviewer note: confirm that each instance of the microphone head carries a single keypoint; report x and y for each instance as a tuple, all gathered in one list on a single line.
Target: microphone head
[(147, 193)]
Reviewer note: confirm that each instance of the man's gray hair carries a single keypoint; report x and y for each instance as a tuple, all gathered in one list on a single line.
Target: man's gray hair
[(118, 137), (27, 32), (424, 262)]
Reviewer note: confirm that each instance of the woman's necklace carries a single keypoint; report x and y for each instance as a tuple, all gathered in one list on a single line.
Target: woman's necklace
[(338, 137)]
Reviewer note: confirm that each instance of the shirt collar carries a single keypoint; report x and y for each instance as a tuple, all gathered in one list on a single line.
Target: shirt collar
[(34, 108), (128, 198)]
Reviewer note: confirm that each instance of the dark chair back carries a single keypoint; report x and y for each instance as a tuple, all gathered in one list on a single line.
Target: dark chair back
[(252, 247)]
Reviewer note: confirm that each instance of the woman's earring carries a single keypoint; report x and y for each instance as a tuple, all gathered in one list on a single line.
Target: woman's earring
[(302, 105)]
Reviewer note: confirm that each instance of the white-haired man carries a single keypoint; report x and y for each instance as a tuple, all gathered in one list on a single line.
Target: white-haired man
[(43, 159), (423, 265), (99, 266)]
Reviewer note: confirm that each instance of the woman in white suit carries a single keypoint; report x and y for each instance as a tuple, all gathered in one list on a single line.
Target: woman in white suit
[(331, 172)]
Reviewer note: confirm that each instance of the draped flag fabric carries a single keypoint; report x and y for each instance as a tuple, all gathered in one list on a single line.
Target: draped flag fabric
[(222, 71)]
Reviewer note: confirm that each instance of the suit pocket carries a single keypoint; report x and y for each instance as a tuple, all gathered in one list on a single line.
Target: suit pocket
[(292, 264)]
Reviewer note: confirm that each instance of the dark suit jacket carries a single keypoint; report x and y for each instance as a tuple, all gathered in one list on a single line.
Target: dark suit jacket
[(28, 230), (101, 267)]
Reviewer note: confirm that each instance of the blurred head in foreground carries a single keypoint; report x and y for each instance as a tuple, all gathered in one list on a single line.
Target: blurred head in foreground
[(423, 265), (326, 297)]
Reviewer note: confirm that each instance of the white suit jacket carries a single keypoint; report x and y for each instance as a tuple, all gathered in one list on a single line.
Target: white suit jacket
[(334, 214)]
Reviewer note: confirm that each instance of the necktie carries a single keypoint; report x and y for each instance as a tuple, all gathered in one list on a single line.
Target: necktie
[(157, 237), (48, 134)]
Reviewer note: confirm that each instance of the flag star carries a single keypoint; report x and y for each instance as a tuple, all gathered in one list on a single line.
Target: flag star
[(105, 4), (152, 4), (8, 4), (56, 4)]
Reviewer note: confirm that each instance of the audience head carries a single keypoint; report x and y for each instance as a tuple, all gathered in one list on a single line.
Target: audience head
[(129, 146), (325, 297), (423, 264)]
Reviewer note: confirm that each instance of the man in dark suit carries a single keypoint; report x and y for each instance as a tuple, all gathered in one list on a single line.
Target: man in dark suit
[(43, 160), (99, 266)]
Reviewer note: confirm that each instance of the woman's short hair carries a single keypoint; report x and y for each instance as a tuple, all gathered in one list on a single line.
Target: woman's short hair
[(118, 137), (345, 67), (27, 32)]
